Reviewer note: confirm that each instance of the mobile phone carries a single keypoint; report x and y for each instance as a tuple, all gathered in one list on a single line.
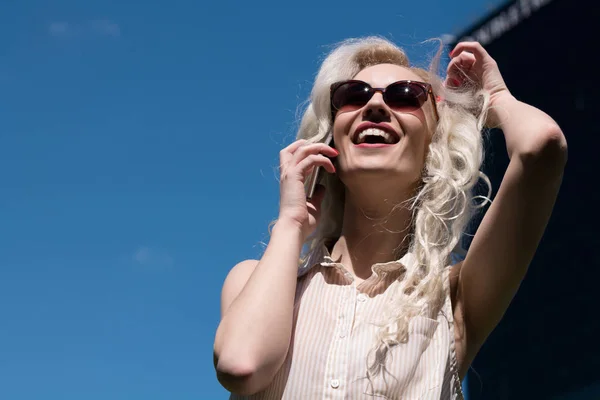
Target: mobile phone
[(315, 176)]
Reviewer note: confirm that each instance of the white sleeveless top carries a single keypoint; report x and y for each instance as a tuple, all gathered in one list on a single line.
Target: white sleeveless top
[(335, 323)]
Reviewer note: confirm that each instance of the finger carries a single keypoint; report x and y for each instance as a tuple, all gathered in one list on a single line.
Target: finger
[(286, 154), (459, 68), (314, 161), (463, 61), (291, 149), (472, 47), (316, 200), (314, 148)]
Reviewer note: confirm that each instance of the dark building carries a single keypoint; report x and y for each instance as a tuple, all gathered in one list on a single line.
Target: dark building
[(548, 344)]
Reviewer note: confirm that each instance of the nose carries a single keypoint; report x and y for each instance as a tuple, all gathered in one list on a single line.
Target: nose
[(376, 110)]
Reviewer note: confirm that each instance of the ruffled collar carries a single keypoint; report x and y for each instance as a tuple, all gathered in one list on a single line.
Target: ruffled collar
[(320, 256)]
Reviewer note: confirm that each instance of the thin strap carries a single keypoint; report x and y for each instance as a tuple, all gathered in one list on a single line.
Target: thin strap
[(456, 385)]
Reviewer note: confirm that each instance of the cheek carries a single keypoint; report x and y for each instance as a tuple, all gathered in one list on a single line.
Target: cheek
[(341, 125), (416, 133), (417, 147)]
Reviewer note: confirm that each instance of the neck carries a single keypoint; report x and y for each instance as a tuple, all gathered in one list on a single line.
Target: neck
[(374, 230)]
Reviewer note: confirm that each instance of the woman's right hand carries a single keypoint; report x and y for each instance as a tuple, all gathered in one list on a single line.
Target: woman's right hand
[(297, 161)]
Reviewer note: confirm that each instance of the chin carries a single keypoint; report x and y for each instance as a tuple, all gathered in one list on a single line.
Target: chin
[(381, 172)]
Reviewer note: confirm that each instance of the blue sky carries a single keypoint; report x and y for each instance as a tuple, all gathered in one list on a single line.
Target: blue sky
[(138, 147)]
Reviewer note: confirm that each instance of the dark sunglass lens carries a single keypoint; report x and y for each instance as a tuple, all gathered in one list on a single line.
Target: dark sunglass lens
[(351, 94), (405, 96)]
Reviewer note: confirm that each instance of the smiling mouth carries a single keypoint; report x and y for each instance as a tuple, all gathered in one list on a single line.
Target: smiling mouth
[(375, 136)]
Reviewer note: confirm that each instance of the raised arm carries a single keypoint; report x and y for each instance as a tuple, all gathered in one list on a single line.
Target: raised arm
[(512, 228), (257, 299)]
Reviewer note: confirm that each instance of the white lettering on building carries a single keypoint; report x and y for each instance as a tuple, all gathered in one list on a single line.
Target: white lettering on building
[(505, 21)]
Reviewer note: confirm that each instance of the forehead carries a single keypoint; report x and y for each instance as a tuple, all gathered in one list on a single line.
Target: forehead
[(381, 75)]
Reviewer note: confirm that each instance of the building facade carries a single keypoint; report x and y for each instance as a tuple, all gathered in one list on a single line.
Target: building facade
[(548, 344)]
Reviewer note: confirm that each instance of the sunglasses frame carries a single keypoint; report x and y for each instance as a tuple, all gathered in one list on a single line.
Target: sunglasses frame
[(428, 90)]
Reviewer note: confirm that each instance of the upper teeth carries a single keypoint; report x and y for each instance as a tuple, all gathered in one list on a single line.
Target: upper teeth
[(374, 132)]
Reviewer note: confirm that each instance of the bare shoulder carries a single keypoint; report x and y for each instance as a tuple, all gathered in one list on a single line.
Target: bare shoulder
[(460, 337), (241, 271), (235, 281)]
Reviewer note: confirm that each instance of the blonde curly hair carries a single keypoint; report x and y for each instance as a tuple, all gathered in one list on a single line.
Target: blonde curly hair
[(442, 205)]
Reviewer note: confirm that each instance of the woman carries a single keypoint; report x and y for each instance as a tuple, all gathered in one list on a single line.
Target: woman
[(375, 309)]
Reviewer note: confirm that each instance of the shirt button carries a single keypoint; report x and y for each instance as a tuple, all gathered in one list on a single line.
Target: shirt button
[(343, 334), (335, 383), (361, 297)]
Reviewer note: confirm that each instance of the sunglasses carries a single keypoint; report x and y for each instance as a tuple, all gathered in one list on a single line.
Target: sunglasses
[(403, 96)]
